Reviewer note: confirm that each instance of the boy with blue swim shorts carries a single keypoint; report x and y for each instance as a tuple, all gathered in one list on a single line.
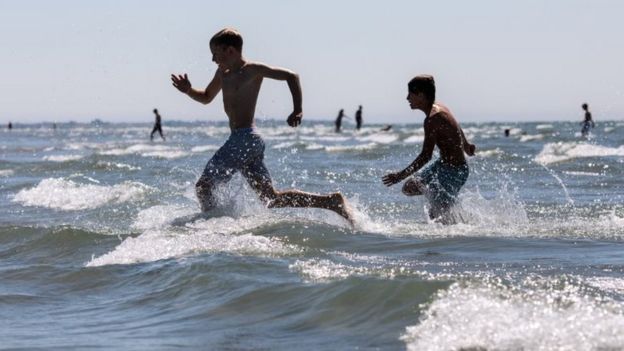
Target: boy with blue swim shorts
[(440, 180), (239, 80)]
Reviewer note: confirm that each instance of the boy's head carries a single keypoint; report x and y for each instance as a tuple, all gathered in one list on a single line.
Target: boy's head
[(226, 47), (423, 84), (155, 110), (227, 37), (584, 106)]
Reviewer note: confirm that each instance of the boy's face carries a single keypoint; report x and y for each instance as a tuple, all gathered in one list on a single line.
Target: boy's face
[(416, 100), (223, 56)]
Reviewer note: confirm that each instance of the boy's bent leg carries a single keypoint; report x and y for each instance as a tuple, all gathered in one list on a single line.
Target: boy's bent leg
[(217, 171), (294, 198), (413, 187), (204, 191)]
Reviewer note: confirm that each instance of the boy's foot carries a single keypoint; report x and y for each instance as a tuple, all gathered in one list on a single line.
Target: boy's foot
[(412, 188), (340, 206)]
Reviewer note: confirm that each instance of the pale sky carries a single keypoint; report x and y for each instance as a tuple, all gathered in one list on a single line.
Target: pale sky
[(493, 60)]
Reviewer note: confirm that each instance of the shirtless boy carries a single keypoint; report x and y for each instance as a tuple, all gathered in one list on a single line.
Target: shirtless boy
[(442, 179), (240, 79)]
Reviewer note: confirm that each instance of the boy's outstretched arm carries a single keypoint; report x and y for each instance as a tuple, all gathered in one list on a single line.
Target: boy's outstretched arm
[(292, 78), (469, 148), (183, 84), (422, 159)]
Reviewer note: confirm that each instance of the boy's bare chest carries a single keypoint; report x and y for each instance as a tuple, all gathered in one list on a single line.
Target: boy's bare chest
[(236, 82)]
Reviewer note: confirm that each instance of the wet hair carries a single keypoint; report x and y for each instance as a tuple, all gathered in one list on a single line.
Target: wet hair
[(584, 106), (423, 84), (155, 111), (228, 37)]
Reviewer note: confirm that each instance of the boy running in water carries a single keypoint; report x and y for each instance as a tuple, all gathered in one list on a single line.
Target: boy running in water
[(239, 80), (440, 180)]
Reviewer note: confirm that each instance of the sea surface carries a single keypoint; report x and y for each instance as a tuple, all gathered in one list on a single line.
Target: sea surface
[(102, 245)]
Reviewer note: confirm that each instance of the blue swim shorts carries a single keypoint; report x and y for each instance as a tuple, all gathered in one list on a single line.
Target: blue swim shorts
[(443, 182), (242, 152)]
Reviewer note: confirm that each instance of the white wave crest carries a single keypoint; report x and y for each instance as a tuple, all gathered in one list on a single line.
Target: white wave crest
[(488, 318), (343, 148), (62, 158), (380, 138), (531, 137), (220, 234), (414, 139), (67, 195), (490, 153), (204, 148), (147, 150), (160, 216), (559, 152)]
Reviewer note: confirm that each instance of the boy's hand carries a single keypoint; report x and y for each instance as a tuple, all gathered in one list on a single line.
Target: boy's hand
[(294, 119), (392, 178), (181, 82), (470, 150)]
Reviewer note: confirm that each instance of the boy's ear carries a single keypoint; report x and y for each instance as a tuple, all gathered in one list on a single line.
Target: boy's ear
[(231, 50)]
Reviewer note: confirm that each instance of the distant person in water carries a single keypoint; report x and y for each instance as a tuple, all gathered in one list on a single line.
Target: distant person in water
[(157, 126), (339, 120), (358, 118), (588, 123), (239, 80), (10, 126), (441, 180), (386, 128), (507, 131)]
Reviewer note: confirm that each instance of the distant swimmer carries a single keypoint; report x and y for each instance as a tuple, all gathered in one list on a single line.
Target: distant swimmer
[(339, 120), (507, 131), (386, 128), (588, 123), (358, 118), (239, 80), (10, 126), (441, 179), (157, 126)]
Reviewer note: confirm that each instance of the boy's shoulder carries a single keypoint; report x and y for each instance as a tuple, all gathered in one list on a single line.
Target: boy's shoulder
[(255, 65)]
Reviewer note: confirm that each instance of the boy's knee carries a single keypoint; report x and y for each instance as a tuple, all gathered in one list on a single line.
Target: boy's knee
[(269, 196), (412, 188), (204, 186)]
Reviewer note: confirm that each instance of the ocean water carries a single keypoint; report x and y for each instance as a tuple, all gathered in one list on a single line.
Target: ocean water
[(102, 245)]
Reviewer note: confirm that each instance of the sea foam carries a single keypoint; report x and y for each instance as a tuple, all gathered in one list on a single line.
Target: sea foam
[(221, 234), (146, 150), (496, 318), (61, 194), (564, 151), (62, 158)]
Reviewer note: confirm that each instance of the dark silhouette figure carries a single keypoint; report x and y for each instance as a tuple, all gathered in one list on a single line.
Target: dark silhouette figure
[(386, 128), (10, 126), (588, 123), (358, 118), (506, 132), (157, 126), (339, 120)]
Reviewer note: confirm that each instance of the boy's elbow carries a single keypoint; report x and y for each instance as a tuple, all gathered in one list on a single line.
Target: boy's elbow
[(206, 99), (293, 77)]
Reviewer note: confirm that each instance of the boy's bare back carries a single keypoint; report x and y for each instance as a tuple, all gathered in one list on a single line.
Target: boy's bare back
[(442, 129)]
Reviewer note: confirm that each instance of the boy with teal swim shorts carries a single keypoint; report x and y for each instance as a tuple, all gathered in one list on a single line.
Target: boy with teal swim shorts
[(440, 180), (239, 80)]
